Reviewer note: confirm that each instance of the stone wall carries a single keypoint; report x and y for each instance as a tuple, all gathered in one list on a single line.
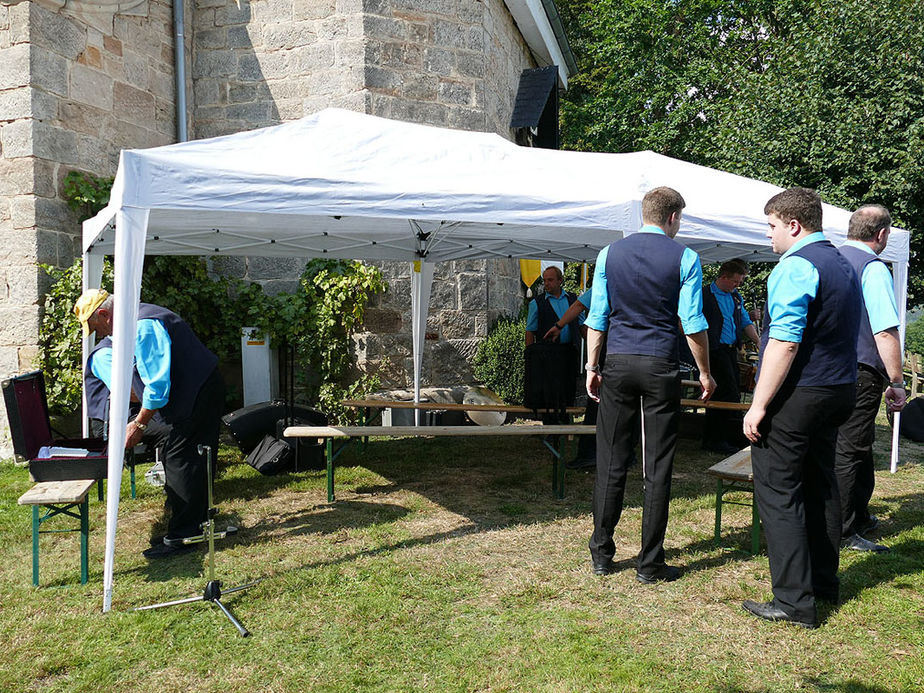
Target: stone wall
[(453, 63), (74, 90)]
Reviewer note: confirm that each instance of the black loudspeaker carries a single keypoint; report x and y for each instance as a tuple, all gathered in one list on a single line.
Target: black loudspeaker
[(912, 420), (249, 425)]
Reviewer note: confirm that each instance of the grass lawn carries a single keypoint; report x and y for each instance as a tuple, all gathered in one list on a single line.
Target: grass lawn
[(446, 564)]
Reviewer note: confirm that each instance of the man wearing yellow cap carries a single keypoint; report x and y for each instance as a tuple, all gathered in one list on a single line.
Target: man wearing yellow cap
[(176, 377)]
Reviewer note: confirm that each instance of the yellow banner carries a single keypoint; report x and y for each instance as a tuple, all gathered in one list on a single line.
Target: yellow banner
[(530, 271)]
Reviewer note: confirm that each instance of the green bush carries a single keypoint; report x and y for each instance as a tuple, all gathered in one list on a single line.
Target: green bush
[(914, 337), (499, 360)]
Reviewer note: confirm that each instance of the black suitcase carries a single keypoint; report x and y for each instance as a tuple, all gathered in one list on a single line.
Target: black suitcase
[(250, 424), (271, 456), (911, 424), (550, 376)]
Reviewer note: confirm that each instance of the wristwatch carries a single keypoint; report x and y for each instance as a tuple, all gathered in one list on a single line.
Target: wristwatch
[(140, 426), (592, 367), (898, 386)]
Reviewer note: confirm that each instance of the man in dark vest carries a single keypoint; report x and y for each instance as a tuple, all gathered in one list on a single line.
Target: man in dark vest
[(181, 384), (644, 285), (806, 385), (545, 313), (879, 361), (728, 323)]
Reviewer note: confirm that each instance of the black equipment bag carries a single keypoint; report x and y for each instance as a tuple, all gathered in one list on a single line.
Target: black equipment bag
[(550, 376), (249, 425), (911, 424), (271, 456)]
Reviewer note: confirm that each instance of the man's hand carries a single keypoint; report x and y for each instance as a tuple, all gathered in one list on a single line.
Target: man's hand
[(593, 385), (133, 435), (751, 421), (708, 384), (554, 333), (896, 398)]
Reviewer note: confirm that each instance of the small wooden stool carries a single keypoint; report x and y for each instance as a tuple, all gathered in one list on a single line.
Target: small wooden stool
[(59, 498), (734, 474)]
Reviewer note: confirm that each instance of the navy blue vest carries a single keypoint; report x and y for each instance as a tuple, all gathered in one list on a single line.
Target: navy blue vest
[(827, 354), (547, 316), (867, 353), (643, 283), (191, 363), (716, 318), (95, 389)]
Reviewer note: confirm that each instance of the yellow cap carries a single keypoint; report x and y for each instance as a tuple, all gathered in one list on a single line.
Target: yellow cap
[(86, 305)]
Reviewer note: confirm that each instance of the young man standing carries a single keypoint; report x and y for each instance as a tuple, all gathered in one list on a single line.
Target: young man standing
[(805, 389)]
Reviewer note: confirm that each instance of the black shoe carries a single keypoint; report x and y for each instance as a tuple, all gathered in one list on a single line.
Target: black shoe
[(771, 612), (871, 525), (579, 463), (606, 567), (666, 573), (167, 550), (857, 543), (158, 539)]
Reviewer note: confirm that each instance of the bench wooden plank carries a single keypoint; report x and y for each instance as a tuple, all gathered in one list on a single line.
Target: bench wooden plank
[(449, 406), (736, 467), (57, 492), (362, 431)]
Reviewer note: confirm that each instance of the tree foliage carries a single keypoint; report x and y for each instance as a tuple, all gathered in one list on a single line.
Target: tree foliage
[(821, 93)]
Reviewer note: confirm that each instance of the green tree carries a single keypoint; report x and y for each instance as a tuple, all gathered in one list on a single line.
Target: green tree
[(822, 93)]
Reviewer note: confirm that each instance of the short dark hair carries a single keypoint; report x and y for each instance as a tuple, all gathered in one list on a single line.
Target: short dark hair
[(659, 204), (867, 221), (556, 269), (730, 268), (801, 204)]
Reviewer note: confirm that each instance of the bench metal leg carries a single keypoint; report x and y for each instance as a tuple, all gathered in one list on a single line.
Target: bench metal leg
[(35, 545), (718, 513), (84, 541), (755, 526), (329, 445)]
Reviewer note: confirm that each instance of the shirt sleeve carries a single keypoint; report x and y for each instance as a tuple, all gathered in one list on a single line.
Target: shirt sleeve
[(690, 305), (879, 296), (532, 317), (745, 318), (599, 315), (101, 365), (792, 285), (152, 358)]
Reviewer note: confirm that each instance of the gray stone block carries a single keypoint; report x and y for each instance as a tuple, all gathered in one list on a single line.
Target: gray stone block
[(16, 139), (288, 35), (259, 268), (439, 61), (54, 143), (49, 71), (131, 103), (249, 69), (16, 176), (382, 321), (466, 118), (456, 324), (456, 93), (53, 213), (273, 287), (57, 32), (473, 291), (470, 64), (15, 61), (313, 9), (218, 64), (240, 37), (212, 38), (90, 86), (15, 103), (228, 266), (443, 295), (257, 113), (135, 68), (19, 325)]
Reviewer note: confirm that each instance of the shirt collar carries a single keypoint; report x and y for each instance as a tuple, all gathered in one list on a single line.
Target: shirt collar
[(716, 290), (651, 228), (802, 242), (861, 245)]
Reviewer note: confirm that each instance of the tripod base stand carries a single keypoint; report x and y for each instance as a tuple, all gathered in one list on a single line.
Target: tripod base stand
[(213, 591)]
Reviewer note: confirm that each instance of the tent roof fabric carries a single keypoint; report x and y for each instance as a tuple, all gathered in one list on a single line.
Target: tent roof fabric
[(341, 184)]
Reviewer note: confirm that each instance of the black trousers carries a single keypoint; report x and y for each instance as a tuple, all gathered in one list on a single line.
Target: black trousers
[(632, 385), (796, 493), (723, 426), (184, 468), (853, 462)]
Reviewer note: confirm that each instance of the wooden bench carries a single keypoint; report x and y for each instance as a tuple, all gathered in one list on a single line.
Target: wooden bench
[(734, 474), (59, 498), (329, 433)]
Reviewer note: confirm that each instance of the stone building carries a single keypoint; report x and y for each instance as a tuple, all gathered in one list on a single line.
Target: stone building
[(81, 80)]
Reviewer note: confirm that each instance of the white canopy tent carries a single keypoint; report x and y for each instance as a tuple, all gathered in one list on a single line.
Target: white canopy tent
[(340, 184)]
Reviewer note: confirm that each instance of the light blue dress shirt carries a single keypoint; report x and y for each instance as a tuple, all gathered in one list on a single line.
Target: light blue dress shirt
[(152, 359), (560, 306), (791, 286), (690, 303), (878, 292), (727, 307)]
